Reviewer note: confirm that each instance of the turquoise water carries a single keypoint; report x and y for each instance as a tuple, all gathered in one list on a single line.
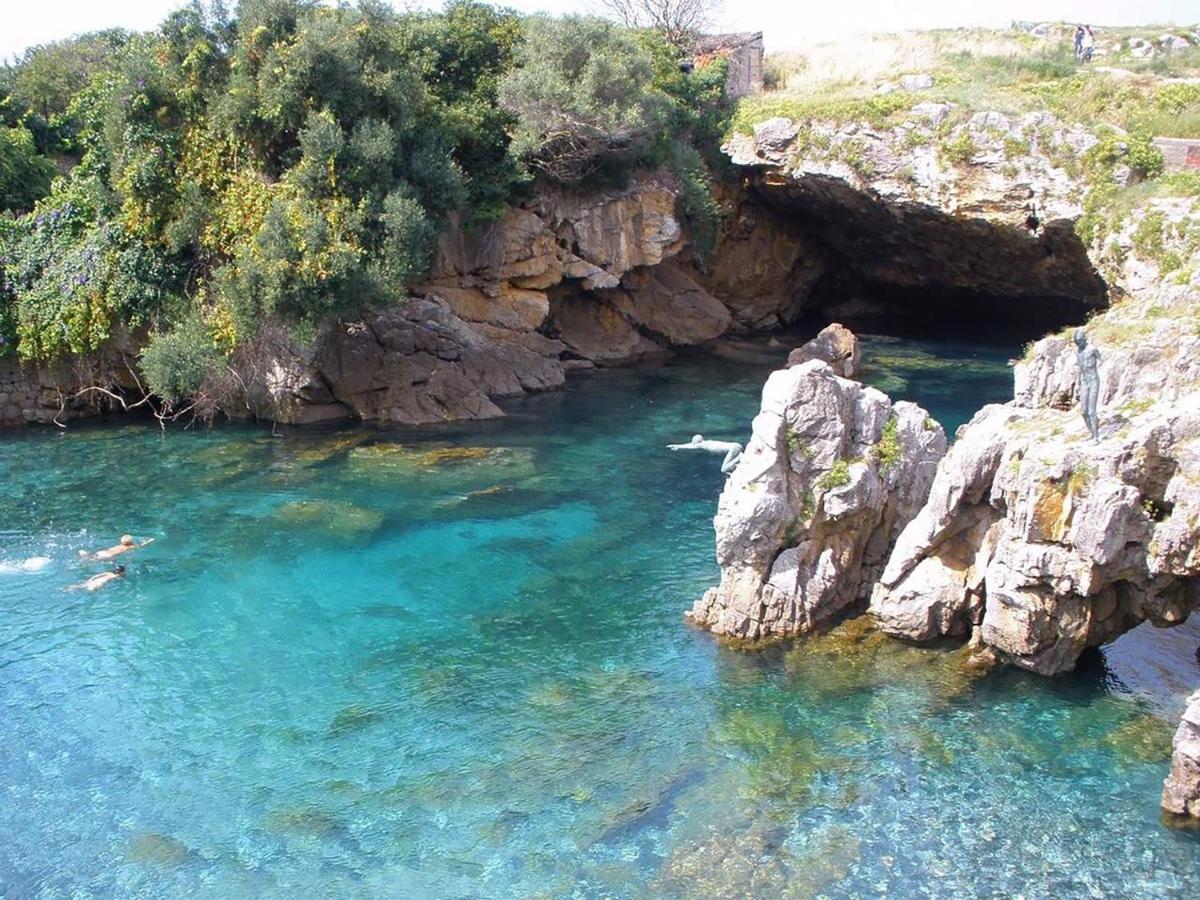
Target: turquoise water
[(357, 665)]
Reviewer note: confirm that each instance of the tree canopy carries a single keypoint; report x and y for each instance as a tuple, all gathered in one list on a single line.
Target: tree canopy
[(295, 161)]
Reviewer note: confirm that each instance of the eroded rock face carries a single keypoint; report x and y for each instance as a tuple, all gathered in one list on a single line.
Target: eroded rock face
[(832, 473), (572, 281), (1044, 542), (835, 345), (1181, 790), (935, 221)]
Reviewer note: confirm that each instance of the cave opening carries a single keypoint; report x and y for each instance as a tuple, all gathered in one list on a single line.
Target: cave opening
[(991, 275)]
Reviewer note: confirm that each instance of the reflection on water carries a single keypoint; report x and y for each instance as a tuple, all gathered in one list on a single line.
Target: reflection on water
[(452, 663)]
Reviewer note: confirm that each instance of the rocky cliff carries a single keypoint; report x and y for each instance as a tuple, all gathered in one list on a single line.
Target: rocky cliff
[(1050, 543), (568, 282), (942, 219), (832, 472), (1181, 790)]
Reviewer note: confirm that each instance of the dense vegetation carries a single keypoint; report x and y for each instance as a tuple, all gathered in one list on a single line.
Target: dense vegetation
[(296, 161)]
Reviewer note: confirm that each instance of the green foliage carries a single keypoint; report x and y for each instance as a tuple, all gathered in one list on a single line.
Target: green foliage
[(582, 95), (298, 163), (832, 105), (960, 148), (177, 362), (695, 204), (75, 275), (837, 476), (24, 175), (1143, 157), (887, 452)]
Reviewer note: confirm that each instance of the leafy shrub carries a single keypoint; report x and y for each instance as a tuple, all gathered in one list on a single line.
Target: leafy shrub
[(695, 204), (177, 362), (960, 148), (837, 476), (581, 93), (888, 450), (24, 175)]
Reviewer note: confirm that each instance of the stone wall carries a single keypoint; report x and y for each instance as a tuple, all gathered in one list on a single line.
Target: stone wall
[(1179, 153), (40, 394)]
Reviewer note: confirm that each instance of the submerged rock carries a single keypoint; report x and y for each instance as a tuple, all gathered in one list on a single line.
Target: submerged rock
[(1181, 790), (832, 473), (160, 850), (336, 516)]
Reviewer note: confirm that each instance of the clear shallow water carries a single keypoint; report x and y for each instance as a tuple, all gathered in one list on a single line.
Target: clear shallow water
[(352, 667)]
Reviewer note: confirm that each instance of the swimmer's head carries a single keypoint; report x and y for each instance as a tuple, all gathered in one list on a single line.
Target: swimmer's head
[(118, 570), (697, 438), (1080, 337), (127, 540)]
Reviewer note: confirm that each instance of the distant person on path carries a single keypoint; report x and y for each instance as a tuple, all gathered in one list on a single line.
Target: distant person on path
[(98, 581), (1078, 43), (1088, 47), (127, 543), (732, 451)]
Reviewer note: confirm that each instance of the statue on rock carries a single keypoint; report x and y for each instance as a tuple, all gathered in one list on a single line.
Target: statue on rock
[(1088, 358), (732, 451)]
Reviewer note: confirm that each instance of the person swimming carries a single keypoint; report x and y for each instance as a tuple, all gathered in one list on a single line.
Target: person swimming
[(98, 581), (127, 543), (732, 451)]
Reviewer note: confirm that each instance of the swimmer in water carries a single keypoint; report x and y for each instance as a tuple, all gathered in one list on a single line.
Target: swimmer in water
[(98, 581), (732, 451), (127, 543)]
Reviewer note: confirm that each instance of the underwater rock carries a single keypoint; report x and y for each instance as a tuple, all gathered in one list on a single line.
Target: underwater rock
[(836, 345), (309, 821), (1181, 790), (333, 515), (160, 850), (833, 472)]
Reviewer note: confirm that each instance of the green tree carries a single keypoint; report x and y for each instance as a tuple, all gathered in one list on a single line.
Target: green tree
[(24, 174), (583, 95)]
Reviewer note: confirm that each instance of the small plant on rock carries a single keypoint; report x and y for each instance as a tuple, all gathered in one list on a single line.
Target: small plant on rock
[(837, 476)]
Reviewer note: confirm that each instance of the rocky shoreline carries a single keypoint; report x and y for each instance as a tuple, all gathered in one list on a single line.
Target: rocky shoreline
[(1031, 542)]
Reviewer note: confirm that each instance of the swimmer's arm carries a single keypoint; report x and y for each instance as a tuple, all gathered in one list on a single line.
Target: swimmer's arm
[(146, 541)]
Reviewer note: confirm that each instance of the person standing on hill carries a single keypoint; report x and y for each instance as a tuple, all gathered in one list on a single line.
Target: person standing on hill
[(1078, 43), (1088, 47)]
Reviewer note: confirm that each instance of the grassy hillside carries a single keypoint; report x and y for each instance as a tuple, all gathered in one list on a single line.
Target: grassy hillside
[(1008, 71)]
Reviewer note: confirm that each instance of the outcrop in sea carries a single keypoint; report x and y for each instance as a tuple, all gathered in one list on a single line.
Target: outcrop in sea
[(832, 472)]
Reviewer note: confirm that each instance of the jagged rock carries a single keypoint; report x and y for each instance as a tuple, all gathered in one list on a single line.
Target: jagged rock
[(832, 473), (836, 345), (1050, 543), (935, 113), (763, 268), (1140, 49), (1181, 790), (666, 302), (597, 331), (919, 82), (775, 134)]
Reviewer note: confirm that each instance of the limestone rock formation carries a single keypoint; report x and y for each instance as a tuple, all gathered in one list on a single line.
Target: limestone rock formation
[(1181, 790), (833, 472), (943, 217), (1047, 542), (572, 281), (836, 345)]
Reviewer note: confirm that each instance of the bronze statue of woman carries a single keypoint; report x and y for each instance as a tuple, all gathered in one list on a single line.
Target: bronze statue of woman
[(1088, 358)]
